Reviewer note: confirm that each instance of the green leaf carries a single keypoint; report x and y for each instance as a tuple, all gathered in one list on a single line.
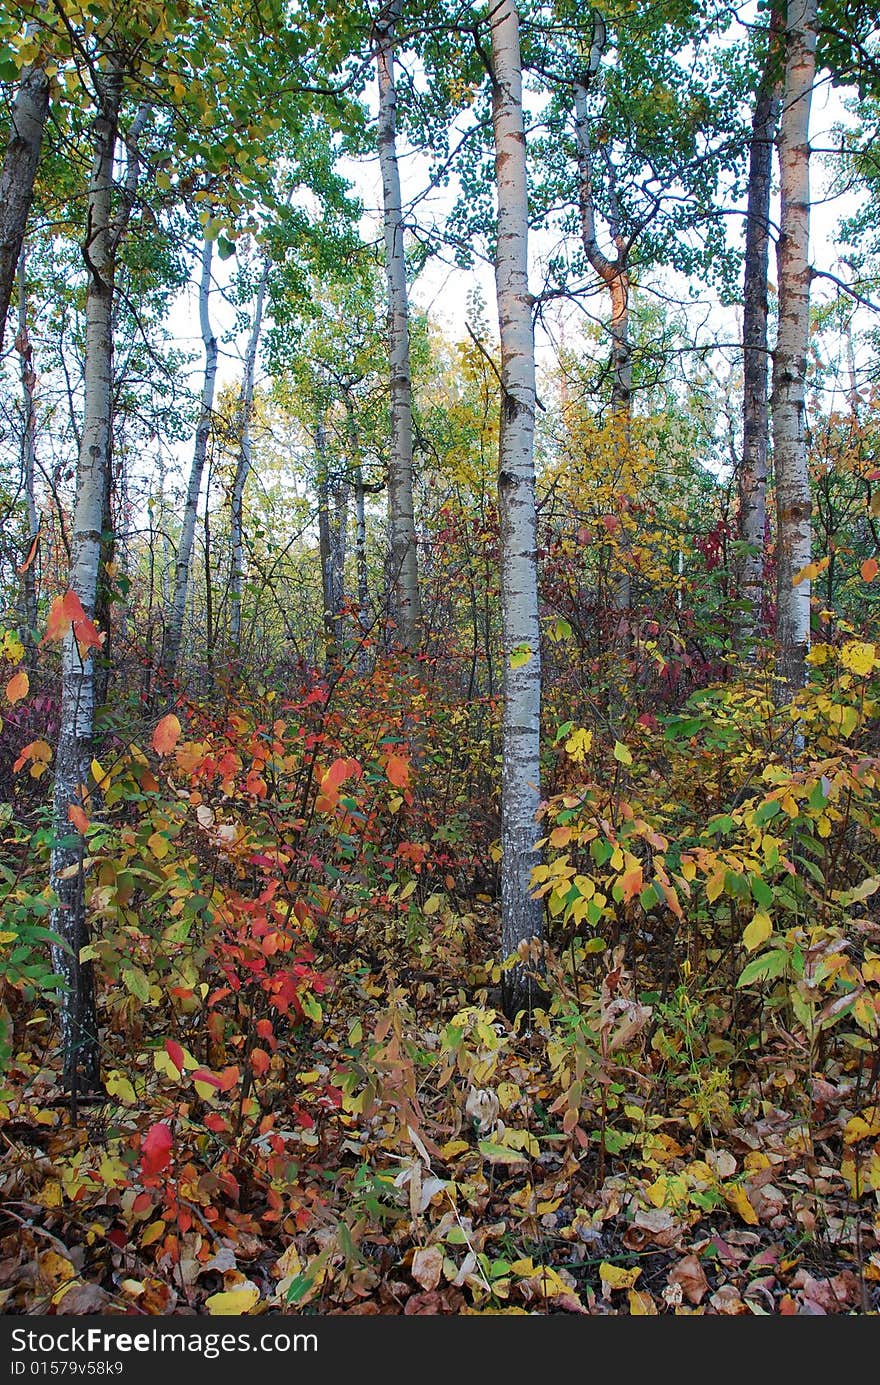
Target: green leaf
[(135, 981), (500, 1154), (771, 964), (622, 754)]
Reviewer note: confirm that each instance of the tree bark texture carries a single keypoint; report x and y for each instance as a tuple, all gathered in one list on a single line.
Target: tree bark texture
[(521, 913), (29, 112), (752, 475), (243, 466), (793, 504), (405, 603), (79, 1027), (200, 452)]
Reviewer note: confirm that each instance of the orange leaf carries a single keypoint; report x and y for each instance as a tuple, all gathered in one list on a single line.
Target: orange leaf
[(259, 1060), (166, 734), (62, 613), (87, 635), (76, 815), (31, 554), (869, 569), (397, 770), (17, 687)]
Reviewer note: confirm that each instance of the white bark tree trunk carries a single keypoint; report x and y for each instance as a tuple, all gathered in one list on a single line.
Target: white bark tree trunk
[(243, 466), (405, 603), (521, 914), (28, 121), (752, 477), (79, 1028), (793, 532), (200, 451)]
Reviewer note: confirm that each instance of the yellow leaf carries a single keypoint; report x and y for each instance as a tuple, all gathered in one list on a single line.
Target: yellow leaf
[(641, 1305), (520, 656), (737, 1200), (154, 1232), (613, 1277), (810, 572), (758, 930), (432, 904), (622, 754), (858, 657), (233, 1303), (120, 1087), (715, 885)]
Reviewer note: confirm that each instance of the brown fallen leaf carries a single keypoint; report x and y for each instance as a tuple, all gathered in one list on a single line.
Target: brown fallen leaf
[(689, 1274), (726, 1301), (82, 1298), (427, 1266)]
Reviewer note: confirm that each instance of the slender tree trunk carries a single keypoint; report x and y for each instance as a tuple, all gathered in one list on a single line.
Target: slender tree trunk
[(406, 607), (521, 915), (325, 546), (28, 121), (79, 1027), (360, 551), (614, 274), (752, 476), (29, 466), (200, 452), (243, 466), (793, 541)]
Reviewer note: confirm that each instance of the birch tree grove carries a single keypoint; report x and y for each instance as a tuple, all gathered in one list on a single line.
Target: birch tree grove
[(521, 914), (404, 577), (793, 502), (79, 1027)]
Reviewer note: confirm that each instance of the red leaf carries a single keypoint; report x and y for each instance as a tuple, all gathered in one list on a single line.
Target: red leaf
[(156, 1149), (259, 1061), (166, 734), (175, 1053), (397, 770), (209, 1078)]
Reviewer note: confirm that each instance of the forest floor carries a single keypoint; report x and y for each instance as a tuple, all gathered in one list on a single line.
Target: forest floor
[(410, 1152)]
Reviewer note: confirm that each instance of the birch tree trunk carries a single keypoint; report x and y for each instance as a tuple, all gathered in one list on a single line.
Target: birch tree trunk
[(521, 914), (200, 452), (405, 603), (29, 464), (793, 541), (243, 466), (28, 122), (752, 476), (79, 1027)]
